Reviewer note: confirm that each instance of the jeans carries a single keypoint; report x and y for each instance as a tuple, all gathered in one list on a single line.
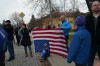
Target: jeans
[(92, 55), (45, 54), (25, 48), (18, 39), (11, 49), (80, 65), (66, 38)]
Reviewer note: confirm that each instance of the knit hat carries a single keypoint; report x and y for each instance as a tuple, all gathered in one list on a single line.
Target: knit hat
[(80, 21), (8, 21), (24, 24)]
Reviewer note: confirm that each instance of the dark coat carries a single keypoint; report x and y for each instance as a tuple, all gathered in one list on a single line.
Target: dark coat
[(16, 31), (95, 34), (25, 37)]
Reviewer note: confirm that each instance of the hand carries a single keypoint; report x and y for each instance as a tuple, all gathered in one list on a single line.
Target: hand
[(58, 28)]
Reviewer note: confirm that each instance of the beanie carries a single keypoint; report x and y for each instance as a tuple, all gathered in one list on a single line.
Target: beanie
[(24, 24), (80, 21)]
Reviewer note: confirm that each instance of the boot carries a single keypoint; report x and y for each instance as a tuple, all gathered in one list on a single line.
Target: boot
[(26, 54), (31, 54)]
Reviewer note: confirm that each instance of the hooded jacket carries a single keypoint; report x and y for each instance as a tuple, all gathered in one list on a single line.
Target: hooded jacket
[(66, 27), (3, 42), (79, 49)]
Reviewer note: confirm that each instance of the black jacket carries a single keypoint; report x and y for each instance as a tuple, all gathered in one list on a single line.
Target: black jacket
[(25, 37), (95, 33), (9, 29)]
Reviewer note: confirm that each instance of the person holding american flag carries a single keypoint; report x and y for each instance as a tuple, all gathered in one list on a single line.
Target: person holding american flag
[(66, 27)]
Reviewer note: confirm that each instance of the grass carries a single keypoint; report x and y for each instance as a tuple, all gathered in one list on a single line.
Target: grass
[(70, 37)]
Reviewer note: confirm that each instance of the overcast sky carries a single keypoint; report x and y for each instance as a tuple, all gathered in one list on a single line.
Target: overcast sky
[(7, 7)]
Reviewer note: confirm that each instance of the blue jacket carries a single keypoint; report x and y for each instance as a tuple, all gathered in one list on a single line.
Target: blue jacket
[(3, 42), (45, 53), (79, 49), (66, 27)]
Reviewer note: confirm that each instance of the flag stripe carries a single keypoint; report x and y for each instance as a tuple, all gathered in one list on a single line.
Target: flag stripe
[(57, 41), (58, 49), (55, 31), (60, 40), (48, 33), (59, 54), (52, 37), (34, 35), (57, 45)]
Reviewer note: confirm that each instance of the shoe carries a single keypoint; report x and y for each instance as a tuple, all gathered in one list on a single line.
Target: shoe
[(31, 54), (26, 55), (18, 45), (10, 59), (42, 60)]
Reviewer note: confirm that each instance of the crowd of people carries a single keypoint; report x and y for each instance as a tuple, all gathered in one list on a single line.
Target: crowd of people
[(7, 33), (83, 46)]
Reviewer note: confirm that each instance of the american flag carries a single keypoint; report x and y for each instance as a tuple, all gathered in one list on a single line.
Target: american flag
[(55, 38)]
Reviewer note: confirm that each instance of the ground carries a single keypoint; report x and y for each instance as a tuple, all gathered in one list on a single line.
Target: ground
[(21, 60)]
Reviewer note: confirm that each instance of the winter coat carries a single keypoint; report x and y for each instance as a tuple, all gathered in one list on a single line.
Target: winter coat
[(66, 27), (3, 43), (79, 49), (25, 39), (16, 31), (45, 53), (95, 34)]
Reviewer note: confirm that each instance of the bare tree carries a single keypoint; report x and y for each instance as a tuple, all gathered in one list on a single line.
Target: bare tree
[(44, 7), (15, 18)]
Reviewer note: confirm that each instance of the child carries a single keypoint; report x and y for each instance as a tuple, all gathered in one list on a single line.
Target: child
[(45, 53), (80, 44)]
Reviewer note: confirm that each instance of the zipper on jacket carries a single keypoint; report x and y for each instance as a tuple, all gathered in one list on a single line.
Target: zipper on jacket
[(95, 23)]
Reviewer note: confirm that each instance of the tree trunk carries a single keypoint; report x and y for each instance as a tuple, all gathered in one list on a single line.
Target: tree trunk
[(88, 4)]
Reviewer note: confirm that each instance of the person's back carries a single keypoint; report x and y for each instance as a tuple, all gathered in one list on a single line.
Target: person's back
[(84, 47), (3, 46), (80, 44)]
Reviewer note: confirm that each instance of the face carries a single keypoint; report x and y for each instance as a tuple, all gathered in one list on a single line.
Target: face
[(95, 6), (23, 26), (62, 18), (6, 23)]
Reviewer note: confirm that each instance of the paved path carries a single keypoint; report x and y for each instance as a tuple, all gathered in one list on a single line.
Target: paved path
[(21, 60), (56, 60)]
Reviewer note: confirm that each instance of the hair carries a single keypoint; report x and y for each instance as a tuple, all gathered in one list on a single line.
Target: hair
[(62, 16), (8, 21), (91, 3)]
